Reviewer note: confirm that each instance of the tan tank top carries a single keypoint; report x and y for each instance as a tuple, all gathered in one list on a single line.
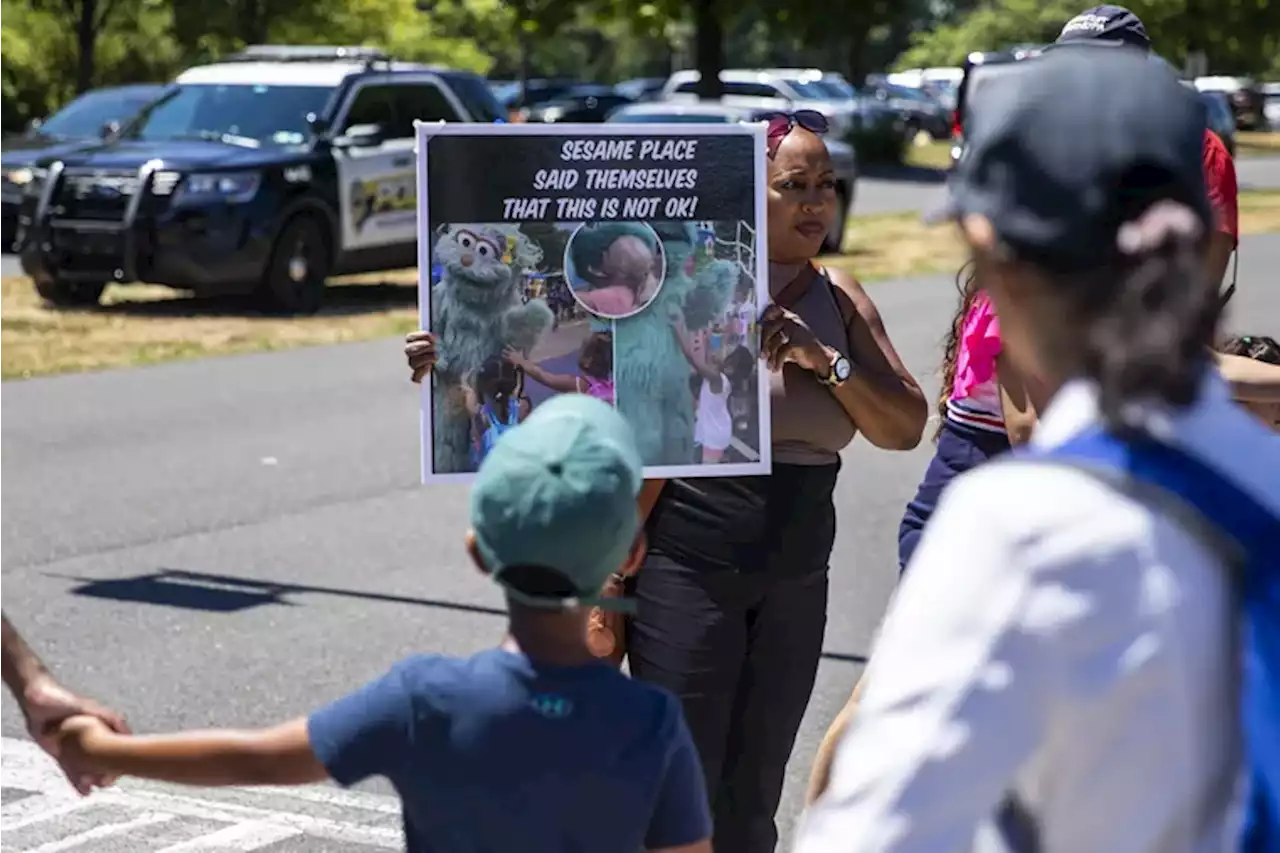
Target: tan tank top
[(810, 427)]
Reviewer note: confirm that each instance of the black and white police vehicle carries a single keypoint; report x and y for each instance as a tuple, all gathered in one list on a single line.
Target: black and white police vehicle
[(264, 173)]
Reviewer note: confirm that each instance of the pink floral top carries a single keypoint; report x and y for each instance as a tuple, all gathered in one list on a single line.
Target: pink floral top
[(975, 394)]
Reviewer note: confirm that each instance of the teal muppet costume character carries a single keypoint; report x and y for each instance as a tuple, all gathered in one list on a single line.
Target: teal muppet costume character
[(477, 310), (651, 375)]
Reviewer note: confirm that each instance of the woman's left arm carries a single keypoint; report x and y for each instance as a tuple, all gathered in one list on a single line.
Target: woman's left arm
[(882, 398)]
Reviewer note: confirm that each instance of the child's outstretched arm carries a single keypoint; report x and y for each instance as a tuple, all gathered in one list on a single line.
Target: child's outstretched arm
[(280, 755), (561, 382)]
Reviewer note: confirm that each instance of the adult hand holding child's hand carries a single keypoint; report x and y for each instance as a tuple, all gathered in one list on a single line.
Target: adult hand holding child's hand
[(74, 737)]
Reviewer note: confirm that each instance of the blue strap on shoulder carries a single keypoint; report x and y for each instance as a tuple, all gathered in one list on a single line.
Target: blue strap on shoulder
[(1255, 531)]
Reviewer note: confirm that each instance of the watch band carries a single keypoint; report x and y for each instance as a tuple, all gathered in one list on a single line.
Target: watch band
[(832, 378)]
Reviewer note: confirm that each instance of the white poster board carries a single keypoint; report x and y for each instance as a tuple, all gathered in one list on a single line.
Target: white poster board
[(622, 261)]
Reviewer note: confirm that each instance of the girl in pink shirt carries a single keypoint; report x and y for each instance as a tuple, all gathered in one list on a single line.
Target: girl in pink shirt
[(985, 406), (595, 369)]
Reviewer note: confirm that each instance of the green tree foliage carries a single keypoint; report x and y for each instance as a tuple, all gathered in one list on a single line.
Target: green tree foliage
[(1237, 36)]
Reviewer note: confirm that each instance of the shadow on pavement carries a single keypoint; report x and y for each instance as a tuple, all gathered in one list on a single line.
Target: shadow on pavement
[(904, 174), (340, 299), (227, 594)]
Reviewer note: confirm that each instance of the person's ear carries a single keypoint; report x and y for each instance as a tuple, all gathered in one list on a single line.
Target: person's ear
[(473, 551)]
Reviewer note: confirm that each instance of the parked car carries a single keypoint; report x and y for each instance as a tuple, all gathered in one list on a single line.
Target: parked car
[(642, 88), (586, 103), (267, 173), (844, 158), (1248, 103), (920, 112), (1220, 118), (879, 133), (536, 90), (81, 123), (758, 89), (1271, 106)]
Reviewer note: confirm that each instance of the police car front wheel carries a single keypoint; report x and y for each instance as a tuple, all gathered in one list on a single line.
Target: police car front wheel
[(69, 294), (295, 277)]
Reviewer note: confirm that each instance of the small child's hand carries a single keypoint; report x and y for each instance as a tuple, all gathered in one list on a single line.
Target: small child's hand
[(75, 736), (74, 730)]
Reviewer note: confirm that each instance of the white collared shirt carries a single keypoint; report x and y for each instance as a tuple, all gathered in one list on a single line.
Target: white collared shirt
[(1056, 639)]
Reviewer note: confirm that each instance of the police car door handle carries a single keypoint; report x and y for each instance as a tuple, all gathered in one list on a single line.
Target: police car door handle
[(401, 161)]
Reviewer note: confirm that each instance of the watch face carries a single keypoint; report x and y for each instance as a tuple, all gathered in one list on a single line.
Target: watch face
[(842, 369)]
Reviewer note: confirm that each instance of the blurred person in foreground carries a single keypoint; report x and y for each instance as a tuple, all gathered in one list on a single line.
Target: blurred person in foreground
[(45, 703), (1060, 668), (534, 745)]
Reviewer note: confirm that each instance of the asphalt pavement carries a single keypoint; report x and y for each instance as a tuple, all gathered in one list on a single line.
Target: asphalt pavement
[(237, 540)]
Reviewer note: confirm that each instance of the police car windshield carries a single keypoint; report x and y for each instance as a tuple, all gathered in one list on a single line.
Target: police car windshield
[(84, 117), (246, 113)]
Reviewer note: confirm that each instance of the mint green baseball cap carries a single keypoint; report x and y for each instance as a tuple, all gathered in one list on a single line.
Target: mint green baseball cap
[(559, 492)]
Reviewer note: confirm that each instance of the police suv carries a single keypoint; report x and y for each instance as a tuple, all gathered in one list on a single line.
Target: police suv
[(263, 173)]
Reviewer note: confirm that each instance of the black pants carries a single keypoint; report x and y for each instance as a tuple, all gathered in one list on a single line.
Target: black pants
[(739, 644)]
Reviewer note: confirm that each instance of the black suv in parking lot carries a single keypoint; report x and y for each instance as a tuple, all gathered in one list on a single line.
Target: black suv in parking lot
[(264, 173)]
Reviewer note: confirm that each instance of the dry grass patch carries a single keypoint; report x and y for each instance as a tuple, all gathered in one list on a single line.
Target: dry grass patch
[(145, 325), (1257, 144), (1260, 212), (897, 245), (935, 154)]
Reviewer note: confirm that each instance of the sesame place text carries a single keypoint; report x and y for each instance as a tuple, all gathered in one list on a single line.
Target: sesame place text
[(660, 186)]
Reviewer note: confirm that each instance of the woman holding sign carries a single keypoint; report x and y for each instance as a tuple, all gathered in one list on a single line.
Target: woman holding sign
[(733, 593)]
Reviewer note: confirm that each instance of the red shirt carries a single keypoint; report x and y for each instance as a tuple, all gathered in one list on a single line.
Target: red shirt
[(1220, 176)]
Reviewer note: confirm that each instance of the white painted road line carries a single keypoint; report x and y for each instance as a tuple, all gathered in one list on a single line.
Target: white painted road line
[(42, 814)]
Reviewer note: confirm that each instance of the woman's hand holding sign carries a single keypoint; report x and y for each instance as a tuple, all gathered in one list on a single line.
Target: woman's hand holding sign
[(420, 350), (785, 337)]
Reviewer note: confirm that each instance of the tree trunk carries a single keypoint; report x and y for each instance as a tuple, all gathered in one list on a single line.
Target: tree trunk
[(708, 42), (254, 22), (86, 41)]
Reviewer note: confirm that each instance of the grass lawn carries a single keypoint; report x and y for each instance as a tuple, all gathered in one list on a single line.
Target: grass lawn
[(145, 325), (934, 154), (1258, 144)]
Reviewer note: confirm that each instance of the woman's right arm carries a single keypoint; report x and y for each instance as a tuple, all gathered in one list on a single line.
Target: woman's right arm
[(561, 382)]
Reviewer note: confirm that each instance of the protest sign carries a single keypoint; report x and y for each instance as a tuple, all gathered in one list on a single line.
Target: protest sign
[(622, 261)]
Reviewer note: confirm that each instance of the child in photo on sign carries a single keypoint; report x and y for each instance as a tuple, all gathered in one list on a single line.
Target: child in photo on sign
[(595, 369), (533, 745), (495, 404), (620, 261), (713, 423)]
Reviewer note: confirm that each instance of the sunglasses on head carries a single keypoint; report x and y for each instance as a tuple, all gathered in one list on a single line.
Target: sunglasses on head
[(780, 124)]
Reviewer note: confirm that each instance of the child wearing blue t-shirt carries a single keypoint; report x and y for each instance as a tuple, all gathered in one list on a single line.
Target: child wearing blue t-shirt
[(534, 745)]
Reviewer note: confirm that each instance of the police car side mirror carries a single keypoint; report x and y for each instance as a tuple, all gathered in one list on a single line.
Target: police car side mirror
[(360, 136)]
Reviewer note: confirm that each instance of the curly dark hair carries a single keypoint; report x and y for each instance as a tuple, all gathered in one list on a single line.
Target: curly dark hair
[(596, 357), (966, 284)]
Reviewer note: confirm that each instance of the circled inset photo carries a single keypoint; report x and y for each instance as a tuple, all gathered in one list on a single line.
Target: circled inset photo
[(614, 269)]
